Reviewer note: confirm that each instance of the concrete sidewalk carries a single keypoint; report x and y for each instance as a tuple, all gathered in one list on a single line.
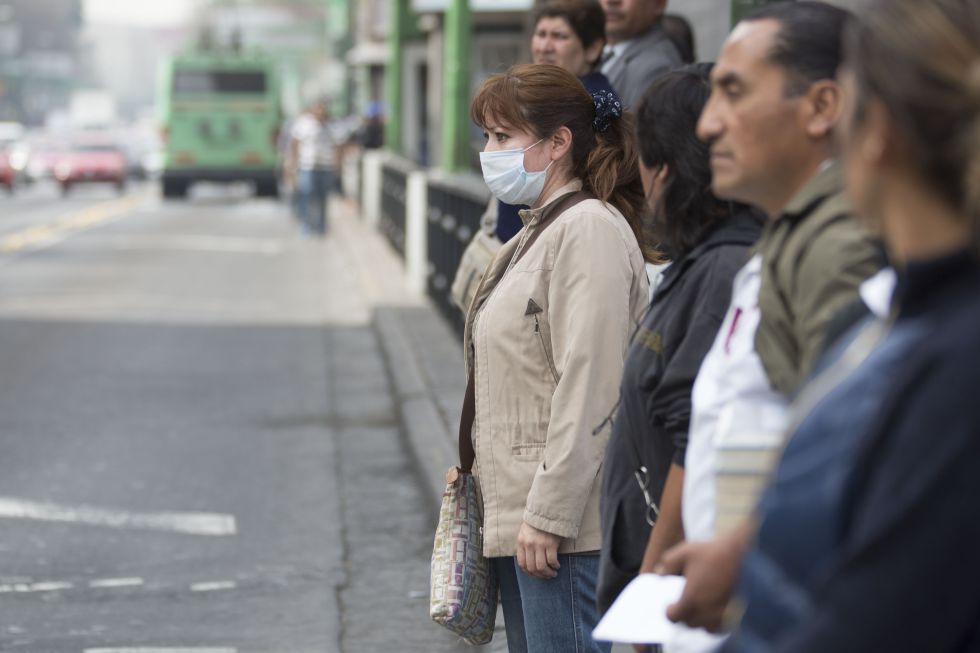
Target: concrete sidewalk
[(422, 354), (423, 359)]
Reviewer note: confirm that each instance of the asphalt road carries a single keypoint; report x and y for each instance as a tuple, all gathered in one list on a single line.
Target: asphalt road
[(199, 450)]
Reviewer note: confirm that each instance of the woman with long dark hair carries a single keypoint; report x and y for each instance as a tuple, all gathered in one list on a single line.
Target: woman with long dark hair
[(708, 241)]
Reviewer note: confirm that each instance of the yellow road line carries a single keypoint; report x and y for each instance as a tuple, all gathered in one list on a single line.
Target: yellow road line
[(40, 236)]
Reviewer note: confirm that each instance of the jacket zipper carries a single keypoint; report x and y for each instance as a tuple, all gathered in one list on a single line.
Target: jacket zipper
[(551, 364)]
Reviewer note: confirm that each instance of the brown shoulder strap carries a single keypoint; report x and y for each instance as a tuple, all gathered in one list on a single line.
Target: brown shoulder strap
[(466, 453), (557, 209)]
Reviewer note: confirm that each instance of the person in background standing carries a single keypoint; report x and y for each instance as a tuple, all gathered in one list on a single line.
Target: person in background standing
[(311, 161), (371, 135), (572, 34), (638, 49)]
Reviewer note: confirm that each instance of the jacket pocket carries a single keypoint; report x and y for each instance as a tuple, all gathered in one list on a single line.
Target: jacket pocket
[(545, 349), (527, 440)]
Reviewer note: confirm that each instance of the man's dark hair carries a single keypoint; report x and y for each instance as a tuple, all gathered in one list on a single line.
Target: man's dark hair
[(810, 42), (681, 34)]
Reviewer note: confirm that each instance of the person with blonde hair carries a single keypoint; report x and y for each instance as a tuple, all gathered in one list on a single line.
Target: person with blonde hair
[(545, 340)]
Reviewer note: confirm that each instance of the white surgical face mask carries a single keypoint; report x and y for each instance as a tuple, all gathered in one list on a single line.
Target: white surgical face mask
[(508, 179)]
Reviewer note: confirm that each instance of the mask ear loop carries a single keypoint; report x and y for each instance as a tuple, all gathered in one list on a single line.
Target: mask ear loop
[(547, 167)]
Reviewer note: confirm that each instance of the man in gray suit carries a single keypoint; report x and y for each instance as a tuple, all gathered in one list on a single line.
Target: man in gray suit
[(638, 50)]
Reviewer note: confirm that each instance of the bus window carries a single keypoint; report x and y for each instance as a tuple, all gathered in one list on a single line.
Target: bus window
[(212, 81)]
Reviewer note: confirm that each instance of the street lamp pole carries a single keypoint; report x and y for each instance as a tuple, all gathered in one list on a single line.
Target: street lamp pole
[(401, 14)]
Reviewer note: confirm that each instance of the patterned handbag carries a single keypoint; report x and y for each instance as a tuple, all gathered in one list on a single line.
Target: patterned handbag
[(463, 587)]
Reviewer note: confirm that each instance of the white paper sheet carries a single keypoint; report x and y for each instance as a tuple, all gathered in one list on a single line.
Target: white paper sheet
[(639, 615)]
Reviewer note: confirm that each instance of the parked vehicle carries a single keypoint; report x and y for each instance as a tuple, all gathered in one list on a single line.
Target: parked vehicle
[(36, 158), (221, 113), (8, 175), (92, 163)]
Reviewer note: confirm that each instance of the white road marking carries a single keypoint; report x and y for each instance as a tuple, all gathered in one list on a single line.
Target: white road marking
[(192, 523), (116, 582), (35, 237), (161, 650), (201, 243), (25, 588), (214, 586)]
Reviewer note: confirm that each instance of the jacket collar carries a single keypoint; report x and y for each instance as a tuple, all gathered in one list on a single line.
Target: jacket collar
[(533, 216), (643, 42), (828, 181), (743, 228)]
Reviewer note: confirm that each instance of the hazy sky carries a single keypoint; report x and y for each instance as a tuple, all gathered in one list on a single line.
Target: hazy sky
[(148, 13)]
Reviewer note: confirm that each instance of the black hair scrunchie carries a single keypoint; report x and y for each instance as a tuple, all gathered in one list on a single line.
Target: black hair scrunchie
[(607, 106)]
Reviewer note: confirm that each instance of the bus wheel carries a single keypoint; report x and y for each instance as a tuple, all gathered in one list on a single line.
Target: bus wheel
[(174, 188), (266, 188)]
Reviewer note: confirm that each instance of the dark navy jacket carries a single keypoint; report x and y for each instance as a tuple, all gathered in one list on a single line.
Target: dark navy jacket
[(869, 535)]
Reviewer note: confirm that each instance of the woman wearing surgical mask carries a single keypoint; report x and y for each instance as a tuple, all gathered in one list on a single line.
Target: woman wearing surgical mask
[(545, 340)]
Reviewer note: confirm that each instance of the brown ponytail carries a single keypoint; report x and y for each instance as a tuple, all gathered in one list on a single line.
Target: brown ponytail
[(541, 98)]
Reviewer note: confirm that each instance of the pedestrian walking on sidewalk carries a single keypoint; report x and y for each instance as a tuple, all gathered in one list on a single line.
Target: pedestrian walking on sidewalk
[(545, 341), (310, 163)]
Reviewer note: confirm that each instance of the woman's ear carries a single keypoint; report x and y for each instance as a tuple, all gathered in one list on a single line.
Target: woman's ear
[(561, 143)]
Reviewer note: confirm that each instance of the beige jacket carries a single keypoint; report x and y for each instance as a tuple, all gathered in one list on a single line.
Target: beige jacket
[(546, 339)]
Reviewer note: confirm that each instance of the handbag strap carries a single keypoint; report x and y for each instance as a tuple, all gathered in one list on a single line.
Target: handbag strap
[(467, 455), (552, 212)]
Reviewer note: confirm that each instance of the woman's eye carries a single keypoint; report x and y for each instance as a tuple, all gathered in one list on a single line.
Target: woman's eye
[(501, 137), (486, 136)]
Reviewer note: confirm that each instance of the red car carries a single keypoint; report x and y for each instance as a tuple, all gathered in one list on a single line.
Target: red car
[(8, 176), (91, 162)]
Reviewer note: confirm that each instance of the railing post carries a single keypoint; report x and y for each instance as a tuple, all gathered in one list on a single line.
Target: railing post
[(416, 231), (371, 186)]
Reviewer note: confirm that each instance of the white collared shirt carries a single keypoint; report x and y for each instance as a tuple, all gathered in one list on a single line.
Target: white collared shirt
[(611, 53)]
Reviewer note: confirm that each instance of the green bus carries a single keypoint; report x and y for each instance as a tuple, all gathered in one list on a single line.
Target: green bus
[(221, 113)]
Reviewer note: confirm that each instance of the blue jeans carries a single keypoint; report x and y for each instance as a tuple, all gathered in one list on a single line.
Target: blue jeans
[(551, 616), (312, 187)]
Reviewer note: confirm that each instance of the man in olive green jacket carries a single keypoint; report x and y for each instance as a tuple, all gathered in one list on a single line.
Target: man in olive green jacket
[(769, 122)]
